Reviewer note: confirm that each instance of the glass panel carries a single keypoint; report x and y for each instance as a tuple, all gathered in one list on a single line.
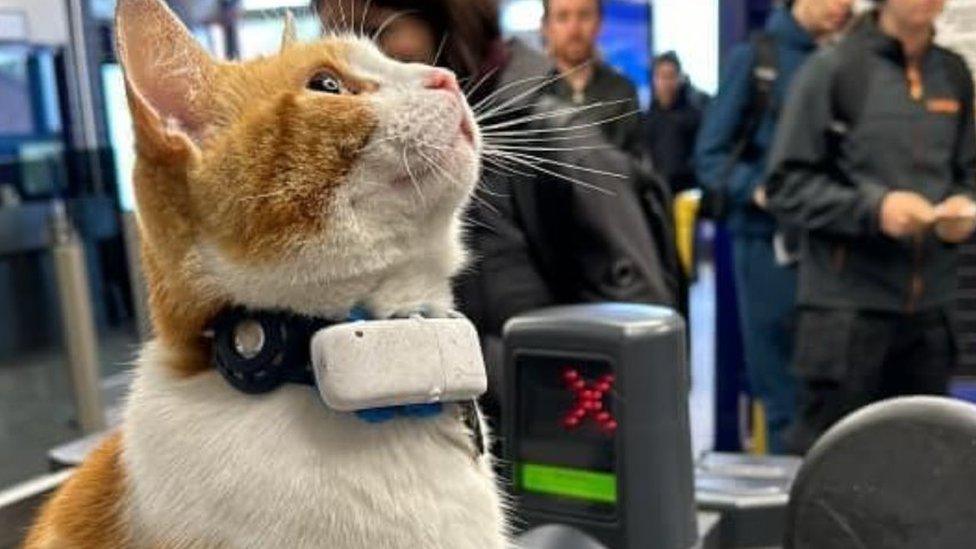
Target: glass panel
[(690, 29), (261, 35), (16, 107), (120, 132), (37, 405)]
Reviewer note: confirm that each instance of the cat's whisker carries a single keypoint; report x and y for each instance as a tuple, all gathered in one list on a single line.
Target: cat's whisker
[(489, 132), (389, 21), (342, 12), (416, 185), (485, 107), (446, 175), (352, 16), (362, 24), (440, 49), (468, 220), (508, 147), (564, 111), (515, 155), (514, 138), (483, 188), (491, 72), (537, 88), (505, 165), (483, 103), (544, 79), (491, 169), (528, 109), (431, 164), (537, 165), (567, 109), (485, 203)]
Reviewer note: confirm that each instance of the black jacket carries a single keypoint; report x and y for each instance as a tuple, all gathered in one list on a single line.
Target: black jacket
[(671, 135), (539, 241), (846, 138), (623, 128)]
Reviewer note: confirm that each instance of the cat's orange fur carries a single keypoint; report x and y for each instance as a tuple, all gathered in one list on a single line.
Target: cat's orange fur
[(248, 118), (172, 176), (97, 488)]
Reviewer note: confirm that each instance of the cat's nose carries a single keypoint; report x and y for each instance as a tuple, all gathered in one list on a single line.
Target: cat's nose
[(440, 79)]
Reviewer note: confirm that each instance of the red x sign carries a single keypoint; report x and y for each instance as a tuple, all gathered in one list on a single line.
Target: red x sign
[(589, 401)]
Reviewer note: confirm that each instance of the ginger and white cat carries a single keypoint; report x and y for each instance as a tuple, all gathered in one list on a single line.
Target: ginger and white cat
[(325, 177)]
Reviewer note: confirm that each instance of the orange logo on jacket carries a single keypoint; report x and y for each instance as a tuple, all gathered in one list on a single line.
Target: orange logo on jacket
[(943, 106)]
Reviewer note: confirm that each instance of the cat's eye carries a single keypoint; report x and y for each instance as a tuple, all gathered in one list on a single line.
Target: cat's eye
[(325, 82)]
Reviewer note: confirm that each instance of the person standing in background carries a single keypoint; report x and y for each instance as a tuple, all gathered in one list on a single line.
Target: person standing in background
[(672, 124), (570, 29), (875, 160), (733, 143)]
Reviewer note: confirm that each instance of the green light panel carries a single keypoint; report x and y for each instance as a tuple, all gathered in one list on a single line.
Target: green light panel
[(569, 483)]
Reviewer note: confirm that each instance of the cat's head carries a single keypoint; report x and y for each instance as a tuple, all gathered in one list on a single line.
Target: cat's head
[(271, 182)]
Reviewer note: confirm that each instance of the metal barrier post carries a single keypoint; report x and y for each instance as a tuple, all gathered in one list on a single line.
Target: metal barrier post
[(77, 320), (140, 294)]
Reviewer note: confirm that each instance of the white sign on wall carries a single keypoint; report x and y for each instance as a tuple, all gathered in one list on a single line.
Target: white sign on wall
[(691, 29), (957, 28), (13, 26)]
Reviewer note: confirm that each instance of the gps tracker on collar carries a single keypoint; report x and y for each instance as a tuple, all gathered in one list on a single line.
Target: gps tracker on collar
[(364, 365)]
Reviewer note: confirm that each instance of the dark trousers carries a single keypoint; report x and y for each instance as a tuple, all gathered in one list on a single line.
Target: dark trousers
[(767, 301), (847, 359)]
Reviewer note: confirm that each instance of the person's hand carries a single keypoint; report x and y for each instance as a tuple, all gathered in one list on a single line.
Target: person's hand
[(955, 219), (759, 198), (905, 213)]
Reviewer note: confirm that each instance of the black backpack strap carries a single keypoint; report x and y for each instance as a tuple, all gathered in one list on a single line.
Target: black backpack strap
[(763, 76), (848, 93)]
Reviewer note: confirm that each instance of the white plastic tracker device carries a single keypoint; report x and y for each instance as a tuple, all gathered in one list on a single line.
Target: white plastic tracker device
[(381, 363)]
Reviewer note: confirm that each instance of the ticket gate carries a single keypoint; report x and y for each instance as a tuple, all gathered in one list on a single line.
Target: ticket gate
[(598, 436), (899, 474)]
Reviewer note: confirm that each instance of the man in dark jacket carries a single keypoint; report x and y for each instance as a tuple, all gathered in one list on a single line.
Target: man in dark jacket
[(672, 124), (571, 29), (875, 159), (766, 288)]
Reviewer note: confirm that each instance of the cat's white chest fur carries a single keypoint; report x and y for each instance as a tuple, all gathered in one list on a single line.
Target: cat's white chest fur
[(208, 466)]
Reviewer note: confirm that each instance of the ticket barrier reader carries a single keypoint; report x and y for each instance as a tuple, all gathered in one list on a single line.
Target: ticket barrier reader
[(598, 439)]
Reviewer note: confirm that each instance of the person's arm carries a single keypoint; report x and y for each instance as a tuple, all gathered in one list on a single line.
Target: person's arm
[(801, 188), (964, 157), (958, 211), (720, 131)]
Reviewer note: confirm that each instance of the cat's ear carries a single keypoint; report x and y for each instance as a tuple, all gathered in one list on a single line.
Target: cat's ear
[(290, 35), (169, 76)]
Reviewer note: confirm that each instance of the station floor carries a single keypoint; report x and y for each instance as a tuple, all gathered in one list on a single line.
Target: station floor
[(37, 413), (36, 407)]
